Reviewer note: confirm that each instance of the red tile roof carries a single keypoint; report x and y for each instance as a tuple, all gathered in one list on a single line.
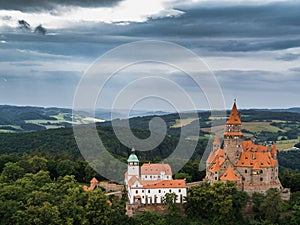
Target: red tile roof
[(249, 145), (132, 180), (167, 184), (230, 175), (155, 169), (217, 163), (211, 157), (263, 159), (234, 117), (217, 140)]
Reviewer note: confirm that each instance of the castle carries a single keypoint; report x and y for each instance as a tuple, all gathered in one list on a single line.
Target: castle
[(253, 167), (150, 183)]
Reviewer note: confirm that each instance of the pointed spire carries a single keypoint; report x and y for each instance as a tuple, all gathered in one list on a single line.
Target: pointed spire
[(217, 140), (234, 117)]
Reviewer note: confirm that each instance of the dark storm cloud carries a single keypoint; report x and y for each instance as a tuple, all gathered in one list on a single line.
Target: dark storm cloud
[(237, 27), (38, 5)]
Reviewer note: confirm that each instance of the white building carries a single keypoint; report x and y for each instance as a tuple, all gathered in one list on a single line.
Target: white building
[(149, 183)]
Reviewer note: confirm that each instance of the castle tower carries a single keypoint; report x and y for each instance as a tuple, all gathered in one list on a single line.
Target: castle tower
[(133, 165), (233, 136), (216, 143)]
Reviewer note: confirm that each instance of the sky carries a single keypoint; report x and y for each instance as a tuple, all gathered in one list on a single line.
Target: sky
[(252, 48)]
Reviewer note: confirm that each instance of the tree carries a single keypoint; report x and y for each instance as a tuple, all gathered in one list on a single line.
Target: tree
[(65, 167), (185, 176), (219, 203), (271, 206), (170, 200), (11, 172), (98, 208), (39, 215)]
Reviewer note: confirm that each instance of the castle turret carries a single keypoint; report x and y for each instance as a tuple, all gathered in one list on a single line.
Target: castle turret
[(233, 136), (216, 143), (133, 165), (274, 151)]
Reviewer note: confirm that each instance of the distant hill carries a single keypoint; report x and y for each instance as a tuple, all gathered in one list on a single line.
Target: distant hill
[(293, 110), (31, 118), (27, 118)]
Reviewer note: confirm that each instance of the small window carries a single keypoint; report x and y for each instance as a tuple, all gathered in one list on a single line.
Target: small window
[(146, 176), (159, 191), (149, 191), (142, 191), (150, 177), (216, 178), (170, 190), (243, 178), (261, 179), (216, 172), (261, 171), (136, 191), (246, 171), (179, 190)]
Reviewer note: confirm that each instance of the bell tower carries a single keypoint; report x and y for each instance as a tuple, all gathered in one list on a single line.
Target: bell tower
[(133, 168), (233, 136)]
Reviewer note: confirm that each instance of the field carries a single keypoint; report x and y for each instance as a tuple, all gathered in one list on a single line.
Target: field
[(182, 122), (257, 127), (260, 126), (287, 144)]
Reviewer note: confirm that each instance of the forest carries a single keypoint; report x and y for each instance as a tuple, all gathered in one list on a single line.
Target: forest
[(42, 174), (41, 183)]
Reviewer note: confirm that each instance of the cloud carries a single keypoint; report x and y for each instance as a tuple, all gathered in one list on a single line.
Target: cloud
[(63, 17), (236, 27), (41, 5), (289, 57), (295, 69)]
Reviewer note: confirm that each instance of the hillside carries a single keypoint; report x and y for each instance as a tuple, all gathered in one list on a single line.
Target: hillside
[(31, 118), (280, 125)]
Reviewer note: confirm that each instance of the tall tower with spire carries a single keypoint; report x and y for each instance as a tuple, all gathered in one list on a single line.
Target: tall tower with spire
[(233, 136), (133, 165)]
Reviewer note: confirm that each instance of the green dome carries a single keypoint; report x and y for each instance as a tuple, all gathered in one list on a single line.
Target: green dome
[(133, 157)]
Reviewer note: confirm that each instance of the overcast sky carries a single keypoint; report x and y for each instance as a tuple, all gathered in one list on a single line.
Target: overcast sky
[(252, 47)]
